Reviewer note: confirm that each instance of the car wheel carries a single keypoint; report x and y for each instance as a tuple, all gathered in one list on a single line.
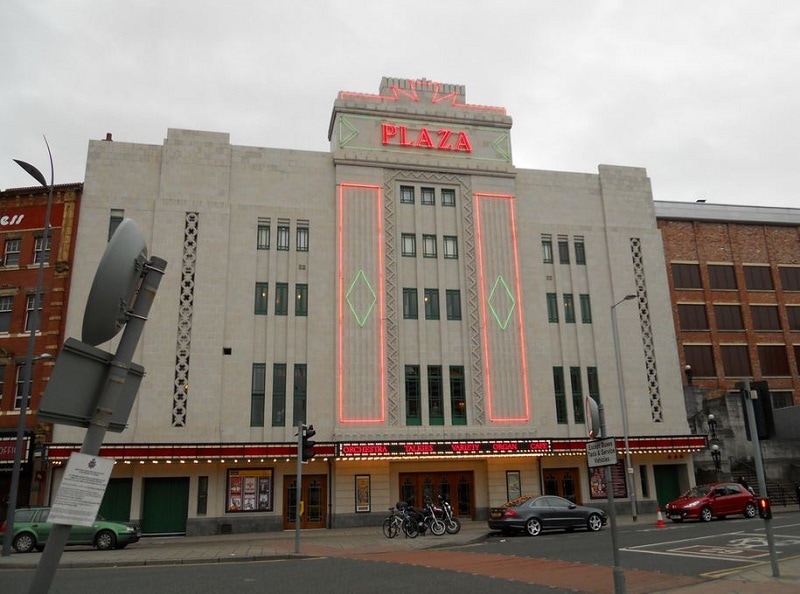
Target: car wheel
[(105, 540), (594, 523), (705, 514), (533, 527), (24, 542), (750, 510)]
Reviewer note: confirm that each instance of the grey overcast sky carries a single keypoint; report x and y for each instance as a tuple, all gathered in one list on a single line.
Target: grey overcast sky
[(704, 94)]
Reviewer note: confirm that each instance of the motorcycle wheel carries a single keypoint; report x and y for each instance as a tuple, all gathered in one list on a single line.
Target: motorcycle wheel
[(453, 525), (410, 528), (437, 527)]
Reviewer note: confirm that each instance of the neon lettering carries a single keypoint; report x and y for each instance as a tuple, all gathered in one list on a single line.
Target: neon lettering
[(404, 136), (388, 131), (444, 136), (424, 139), (465, 447), (462, 144), (6, 220)]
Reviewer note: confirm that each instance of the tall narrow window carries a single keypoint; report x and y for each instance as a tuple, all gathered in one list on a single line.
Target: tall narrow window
[(301, 300), (586, 309), (547, 250), (453, 297), (302, 239), (279, 395), (281, 299), (594, 383), (11, 254), (429, 246), (30, 303), (458, 396), (413, 409), (428, 196), (410, 304), (41, 250), (435, 395), (115, 218), (6, 303), (448, 197), (258, 394), (299, 408), (202, 495), (552, 307), (560, 394), (431, 304), (569, 309), (21, 387), (577, 394), (450, 243), (262, 235), (408, 243), (283, 238), (563, 251), (580, 251), (261, 299), (407, 194)]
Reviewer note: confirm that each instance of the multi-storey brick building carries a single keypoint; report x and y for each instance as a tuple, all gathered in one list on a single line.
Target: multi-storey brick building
[(23, 244), (438, 315)]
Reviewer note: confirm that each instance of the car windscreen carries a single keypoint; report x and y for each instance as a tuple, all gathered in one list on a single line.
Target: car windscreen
[(700, 491)]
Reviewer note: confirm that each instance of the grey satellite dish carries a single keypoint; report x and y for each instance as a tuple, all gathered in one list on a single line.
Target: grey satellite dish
[(115, 284)]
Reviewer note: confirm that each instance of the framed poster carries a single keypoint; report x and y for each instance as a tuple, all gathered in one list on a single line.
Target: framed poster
[(362, 493), (598, 488), (249, 490), (513, 485)]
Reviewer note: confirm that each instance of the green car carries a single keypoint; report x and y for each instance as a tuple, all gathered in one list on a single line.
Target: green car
[(31, 530)]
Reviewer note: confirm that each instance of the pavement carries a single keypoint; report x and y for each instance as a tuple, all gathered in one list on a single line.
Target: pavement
[(368, 543)]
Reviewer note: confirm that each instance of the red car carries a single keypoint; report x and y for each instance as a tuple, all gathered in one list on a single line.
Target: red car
[(704, 502)]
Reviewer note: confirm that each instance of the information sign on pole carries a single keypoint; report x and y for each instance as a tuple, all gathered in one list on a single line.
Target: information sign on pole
[(81, 492), (601, 452)]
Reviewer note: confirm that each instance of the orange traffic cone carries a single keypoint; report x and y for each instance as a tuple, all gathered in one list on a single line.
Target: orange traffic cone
[(660, 521)]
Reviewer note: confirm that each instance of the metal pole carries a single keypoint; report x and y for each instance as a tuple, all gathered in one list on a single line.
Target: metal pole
[(762, 482), (619, 576), (28, 370), (623, 403), (107, 401), (298, 493)]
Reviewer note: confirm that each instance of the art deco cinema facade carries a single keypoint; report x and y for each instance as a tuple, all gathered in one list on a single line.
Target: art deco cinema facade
[(437, 314)]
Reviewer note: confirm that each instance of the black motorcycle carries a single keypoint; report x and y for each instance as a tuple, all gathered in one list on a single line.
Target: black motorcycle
[(451, 523)]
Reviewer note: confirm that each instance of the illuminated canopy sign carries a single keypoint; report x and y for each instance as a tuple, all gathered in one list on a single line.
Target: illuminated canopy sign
[(387, 449), (441, 139)]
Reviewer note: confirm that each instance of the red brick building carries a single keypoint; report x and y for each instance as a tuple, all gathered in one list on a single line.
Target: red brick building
[(22, 246)]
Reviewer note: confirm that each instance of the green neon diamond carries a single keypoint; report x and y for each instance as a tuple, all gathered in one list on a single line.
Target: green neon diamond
[(508, 302), (361, 298)]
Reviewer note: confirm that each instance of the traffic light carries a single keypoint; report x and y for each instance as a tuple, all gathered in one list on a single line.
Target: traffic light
[(764, 509), (307, 449)]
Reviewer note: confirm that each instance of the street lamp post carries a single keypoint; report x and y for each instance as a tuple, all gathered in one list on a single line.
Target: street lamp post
[(28, 369), (624, 405)]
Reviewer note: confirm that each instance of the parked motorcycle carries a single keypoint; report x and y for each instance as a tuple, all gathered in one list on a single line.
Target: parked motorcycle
[(451, 522)]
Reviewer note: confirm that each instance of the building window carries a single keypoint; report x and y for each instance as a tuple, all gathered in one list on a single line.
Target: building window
[(450, 246), (577, 394), (413, 409), (281, 299), (729, 317), (458, 397), (21, 387), (735, 360), (790, 278), (302, 239), (428, 196), (283, 238), (586, 309), (262, 235), (41, 249), (301, 300), (116, 217), (547, 250), (773, 360), (792, 314), (721, 277), (569, 308), (299, 408), (686, 276), (560, 394), (431, 304), (410, 304), (11, 256), (580, 251), (30, 303), (758, 278), (429, 246), (448, 197), (202, 495), (692, 316), (408, 244), (765, 317), (279, 395), (453, 304), (407, 194), (701, 358), (435, 395), (6, 303), (594, 383), (781, 399), (258, 394), (552, 307), (261, 299), (563, 251)]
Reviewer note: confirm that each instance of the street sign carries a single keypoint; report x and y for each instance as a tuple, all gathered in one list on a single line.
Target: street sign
[(601, 452)]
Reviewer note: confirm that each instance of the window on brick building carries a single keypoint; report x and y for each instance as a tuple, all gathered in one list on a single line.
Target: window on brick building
[(729, 317), (701, 358), (790, 278), (758, 278), (793, 315), (692, 316), (773, 359), (765, 317), (735, 360), (721, 277), (686, 276), (781, 399)]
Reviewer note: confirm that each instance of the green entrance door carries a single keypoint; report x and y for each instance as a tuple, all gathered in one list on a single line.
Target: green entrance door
[(667, 483), (116, 504), (165, 505)]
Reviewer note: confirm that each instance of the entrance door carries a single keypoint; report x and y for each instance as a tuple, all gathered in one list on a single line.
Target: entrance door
[(116, 504), (562, 482), (667, 483), (165, 505), (457, 487), (314, 498)]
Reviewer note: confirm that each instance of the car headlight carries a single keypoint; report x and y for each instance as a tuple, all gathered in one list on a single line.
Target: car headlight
[(693, 504)]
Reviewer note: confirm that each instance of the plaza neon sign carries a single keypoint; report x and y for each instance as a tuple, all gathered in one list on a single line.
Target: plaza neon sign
[(442, 139)]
